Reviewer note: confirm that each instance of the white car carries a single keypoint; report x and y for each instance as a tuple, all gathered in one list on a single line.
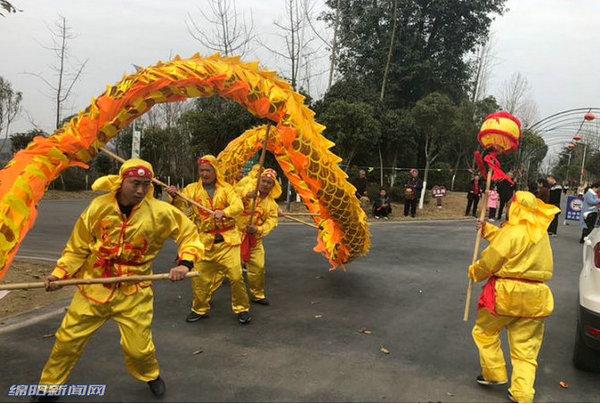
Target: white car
[(586, 355)]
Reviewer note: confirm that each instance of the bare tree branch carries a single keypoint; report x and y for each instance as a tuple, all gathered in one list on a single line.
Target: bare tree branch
[(229, 31), (67, 74)]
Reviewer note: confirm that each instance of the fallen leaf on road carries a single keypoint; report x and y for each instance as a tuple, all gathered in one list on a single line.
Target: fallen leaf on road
[(318, 315), (320, 277), (450, 394), (48, 336), (314, 302), (384, 350), (199, 351), (363, 330), (564, 385)]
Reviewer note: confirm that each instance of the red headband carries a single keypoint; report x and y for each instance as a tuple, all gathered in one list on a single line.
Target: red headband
[(204, 161), (138, 172)]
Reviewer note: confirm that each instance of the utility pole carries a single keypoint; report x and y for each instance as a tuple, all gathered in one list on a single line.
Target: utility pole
[(136, 139)]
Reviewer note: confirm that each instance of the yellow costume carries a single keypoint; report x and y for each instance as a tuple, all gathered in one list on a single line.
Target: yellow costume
[(219, 256), (266, 220), (516, 263), (106, 243)]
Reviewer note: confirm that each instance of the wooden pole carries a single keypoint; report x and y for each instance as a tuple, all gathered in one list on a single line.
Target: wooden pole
[(300, 214), (158, 182), (261, 164), (301, 221), (488, 184), (94, 281)]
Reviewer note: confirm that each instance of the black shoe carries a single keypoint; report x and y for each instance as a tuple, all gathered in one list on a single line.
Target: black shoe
[(511, 398), (157, 387), (264, 302), (244, 317), (484, 382), (193, 317)]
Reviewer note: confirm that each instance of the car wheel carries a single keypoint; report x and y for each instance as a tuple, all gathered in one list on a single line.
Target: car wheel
[(585, 358)]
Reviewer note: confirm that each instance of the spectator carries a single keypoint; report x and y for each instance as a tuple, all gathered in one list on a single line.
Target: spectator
[(543, 190), (382, 206), (589, 211), (412, 191), (473, 196), (493, 201), (361, 184), (506, 191), (555, 195)]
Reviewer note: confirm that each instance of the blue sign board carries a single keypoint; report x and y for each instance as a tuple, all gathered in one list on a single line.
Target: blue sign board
[(574, 204)]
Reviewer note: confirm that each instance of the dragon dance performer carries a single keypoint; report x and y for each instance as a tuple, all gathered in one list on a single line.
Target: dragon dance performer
[(119, 234), (265, 221), (516, 264), (247, 180), (220, 236)]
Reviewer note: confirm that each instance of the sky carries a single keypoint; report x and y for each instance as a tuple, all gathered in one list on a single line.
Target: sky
[(551, 42)]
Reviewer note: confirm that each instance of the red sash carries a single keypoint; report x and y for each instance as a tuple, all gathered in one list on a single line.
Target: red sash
[(248, 243), (487, 300)]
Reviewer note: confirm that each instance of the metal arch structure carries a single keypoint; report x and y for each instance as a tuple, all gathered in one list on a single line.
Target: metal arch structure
[(559, 128)]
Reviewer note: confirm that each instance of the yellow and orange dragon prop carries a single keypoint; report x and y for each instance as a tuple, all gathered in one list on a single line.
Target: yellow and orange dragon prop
[(297, 144)]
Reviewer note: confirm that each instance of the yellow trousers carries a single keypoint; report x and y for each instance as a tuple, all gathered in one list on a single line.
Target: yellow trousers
[(525, 336), (223, 258), (256, 272), (133, 315)]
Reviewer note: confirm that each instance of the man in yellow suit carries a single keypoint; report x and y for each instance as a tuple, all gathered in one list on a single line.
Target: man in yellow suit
[(516, 264), (265, 220), (119, 234), (220, 236)]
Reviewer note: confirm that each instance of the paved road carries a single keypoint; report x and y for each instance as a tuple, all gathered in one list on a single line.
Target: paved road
[(409, 291)]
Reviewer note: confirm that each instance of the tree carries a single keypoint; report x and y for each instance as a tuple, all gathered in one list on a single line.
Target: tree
[(516, 98), (432, 116), (431, 42), (7, 7), (483, 65), (353, 128), (222, 29), (10, 106), (293, 32), (67, 74), (213, 122), (20, 140)]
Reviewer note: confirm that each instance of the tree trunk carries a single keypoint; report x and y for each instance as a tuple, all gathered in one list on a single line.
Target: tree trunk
[(455, 171), (425, 176), (393, 176), (334, 45), (390, 52), (380, 167)]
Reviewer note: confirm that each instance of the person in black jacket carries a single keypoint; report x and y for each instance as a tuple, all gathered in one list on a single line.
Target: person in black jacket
[(506, 191), (555, 195), (412, 192), (361, 184), (473, 196), (382, 206)]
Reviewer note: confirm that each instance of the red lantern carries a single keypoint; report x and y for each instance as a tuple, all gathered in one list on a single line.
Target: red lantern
[(577, 138), (589, 116)]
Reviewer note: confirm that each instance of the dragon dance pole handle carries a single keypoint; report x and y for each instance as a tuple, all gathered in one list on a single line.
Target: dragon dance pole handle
[(94, 281), (488, 184), (261, 164), (158, 182)]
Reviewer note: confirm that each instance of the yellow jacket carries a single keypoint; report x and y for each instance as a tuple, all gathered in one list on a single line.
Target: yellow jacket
[(266, 215), (224, 199), (105, 243), (520, 257)]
